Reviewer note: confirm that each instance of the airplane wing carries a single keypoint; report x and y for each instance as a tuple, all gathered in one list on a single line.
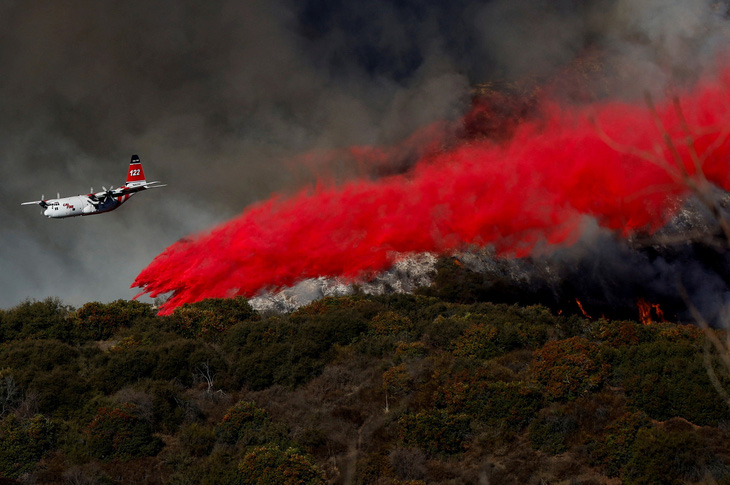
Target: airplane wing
[(41, 203)]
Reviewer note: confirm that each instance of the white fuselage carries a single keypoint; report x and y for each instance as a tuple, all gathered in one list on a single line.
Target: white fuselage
[(81, 205)]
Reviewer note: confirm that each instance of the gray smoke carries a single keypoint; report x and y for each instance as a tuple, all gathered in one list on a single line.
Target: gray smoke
[(220, 100)]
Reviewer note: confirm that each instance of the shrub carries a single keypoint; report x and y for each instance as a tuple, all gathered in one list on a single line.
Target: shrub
[(443, 331), (479, 341), (160, 403), (569, 368), (270, 464), (614, 449), (212, 317), (409, 464), (37, 319), (550, 432), (246, 425), (23, 443), (437, 432), (662, 457), (278, 351), (508, 405), (406, 351), (493, 330), (123, 367), (390, 323), (197, 440), (99, 321), (118, 433), (617, 334), (512, 404), (669, 378)]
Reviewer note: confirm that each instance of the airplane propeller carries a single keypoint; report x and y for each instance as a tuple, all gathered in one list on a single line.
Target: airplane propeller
[(107, 194)]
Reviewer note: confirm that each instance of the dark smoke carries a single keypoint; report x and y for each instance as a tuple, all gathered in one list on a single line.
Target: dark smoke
[(220, 99), (609, 275)]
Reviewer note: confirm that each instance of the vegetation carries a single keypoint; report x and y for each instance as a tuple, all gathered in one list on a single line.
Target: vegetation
[(390, 389)]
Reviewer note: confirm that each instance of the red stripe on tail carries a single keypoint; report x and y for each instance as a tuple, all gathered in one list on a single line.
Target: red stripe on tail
[(135, 172)]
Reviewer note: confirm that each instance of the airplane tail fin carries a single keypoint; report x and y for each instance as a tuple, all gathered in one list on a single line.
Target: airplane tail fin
[(135, 174)]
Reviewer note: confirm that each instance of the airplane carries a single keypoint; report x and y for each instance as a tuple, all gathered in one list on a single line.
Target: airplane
[(99, 202)]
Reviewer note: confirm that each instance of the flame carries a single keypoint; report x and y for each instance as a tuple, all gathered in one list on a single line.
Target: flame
[(645, 311), (580, 305)]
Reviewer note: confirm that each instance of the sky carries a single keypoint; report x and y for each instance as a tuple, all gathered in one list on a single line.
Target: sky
[(231, 102)]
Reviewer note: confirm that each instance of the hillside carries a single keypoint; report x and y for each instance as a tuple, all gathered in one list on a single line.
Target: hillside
[(356, 390)]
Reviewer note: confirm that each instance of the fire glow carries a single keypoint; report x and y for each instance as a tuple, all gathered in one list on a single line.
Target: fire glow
[(645, 312), (531, 191)]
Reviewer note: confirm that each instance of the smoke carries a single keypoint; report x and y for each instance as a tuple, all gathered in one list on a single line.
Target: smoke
[(221, 100), (518, 197)]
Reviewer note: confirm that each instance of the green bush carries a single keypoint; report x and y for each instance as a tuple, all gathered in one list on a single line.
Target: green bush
[(668, 378), (122, 367), (167, 411), (661, 457), (212, 317), (508, 405), (278, 351), (390, 323), (406, 351), (23, 442), (116, 433), (437, 432), (618, 334), (49, 370), (270, 465), (483, 339), (197, 440), (246, 425), (615, 448), (47, 319), (486, 330), (550, 432), (99, 321), (569, 368)]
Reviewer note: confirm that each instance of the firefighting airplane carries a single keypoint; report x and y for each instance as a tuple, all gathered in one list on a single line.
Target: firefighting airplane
[(99, 202)]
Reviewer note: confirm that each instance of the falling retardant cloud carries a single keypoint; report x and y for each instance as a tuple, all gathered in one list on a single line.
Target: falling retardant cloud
[(605, 160)]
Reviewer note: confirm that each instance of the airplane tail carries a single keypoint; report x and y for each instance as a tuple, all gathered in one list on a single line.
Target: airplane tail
[(135, 174)]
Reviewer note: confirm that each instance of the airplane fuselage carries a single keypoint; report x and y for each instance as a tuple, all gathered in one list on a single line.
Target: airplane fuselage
[(82, 205)]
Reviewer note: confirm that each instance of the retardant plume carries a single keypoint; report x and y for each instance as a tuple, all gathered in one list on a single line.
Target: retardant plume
[(608, 161)]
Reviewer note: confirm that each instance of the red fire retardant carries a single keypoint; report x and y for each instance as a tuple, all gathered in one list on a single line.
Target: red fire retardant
[(607, 160)]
